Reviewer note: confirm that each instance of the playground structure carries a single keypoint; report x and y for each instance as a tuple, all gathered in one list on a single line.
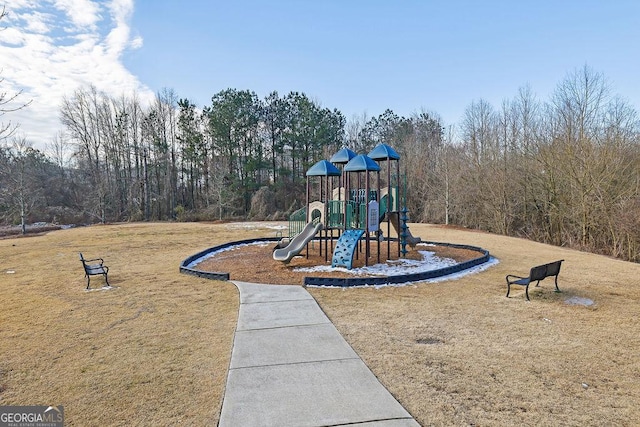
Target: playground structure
[(355, 204), (349, 200)]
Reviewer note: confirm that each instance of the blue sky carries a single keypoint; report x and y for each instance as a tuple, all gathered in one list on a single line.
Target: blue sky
[(356, 56)]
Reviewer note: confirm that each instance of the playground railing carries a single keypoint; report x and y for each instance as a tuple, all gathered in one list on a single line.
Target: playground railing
[(362, 216), (358, 195), (297, 221), (336, 214), (352, 219)]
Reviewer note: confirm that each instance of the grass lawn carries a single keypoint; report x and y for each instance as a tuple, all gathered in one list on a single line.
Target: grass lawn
[(155, 349), (460, 353)]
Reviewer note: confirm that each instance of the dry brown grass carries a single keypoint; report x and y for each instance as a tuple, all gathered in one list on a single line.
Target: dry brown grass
[(155, 350), (152, 351), (460, 353)]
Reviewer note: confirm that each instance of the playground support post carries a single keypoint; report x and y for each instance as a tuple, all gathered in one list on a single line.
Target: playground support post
[(389, 197), (367, 237), (398, 193), (403, 233), (403, 218)]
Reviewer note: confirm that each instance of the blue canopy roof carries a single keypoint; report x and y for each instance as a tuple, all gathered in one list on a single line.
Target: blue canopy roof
[(343, 156), (384, 152), (323, 168), (361, 163)]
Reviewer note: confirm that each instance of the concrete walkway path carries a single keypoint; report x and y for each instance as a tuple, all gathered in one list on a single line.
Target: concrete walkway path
[(291, 367)]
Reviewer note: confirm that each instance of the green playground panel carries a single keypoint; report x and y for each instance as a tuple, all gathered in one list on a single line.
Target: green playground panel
[(297, 221), (335, 214)]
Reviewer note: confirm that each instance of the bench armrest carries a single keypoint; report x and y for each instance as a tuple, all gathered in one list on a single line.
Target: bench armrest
[(515, 277), (94, 259)]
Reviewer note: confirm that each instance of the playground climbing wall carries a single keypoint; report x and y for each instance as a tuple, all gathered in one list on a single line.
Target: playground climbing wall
[(345, 248)]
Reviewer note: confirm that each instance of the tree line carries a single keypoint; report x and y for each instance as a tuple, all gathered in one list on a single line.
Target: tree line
[(564, 171)]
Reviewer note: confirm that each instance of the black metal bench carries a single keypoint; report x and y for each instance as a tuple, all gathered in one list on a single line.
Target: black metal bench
[(94, 269), (537, 273)]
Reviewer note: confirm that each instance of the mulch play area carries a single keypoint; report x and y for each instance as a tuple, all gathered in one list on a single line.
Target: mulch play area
[(254, 262)]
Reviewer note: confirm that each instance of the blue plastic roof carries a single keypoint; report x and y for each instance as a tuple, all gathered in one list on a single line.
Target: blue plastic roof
[(384, 152), (361, 163), (323, 168), (343, 156)]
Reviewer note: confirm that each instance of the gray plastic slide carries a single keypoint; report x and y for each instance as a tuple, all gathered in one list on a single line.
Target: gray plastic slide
[(297, 244), (395, 221)]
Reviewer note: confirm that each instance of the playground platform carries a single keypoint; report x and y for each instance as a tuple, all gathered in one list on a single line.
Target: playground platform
[(291, 367)]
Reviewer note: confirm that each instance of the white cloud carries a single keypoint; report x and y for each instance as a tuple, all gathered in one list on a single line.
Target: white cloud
[(50, 48), (37, 22), (12, 36), (137, 42), (83, 13)]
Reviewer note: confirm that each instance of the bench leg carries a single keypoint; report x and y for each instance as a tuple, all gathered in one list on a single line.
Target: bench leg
[(526, 291), (557, 289), (508, 288), (88, 281), (106, 279)]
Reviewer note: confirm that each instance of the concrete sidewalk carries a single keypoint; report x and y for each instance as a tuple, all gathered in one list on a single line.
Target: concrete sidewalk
[(291, 367)]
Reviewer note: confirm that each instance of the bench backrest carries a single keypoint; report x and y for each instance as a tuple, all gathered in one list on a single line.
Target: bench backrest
[(545, 270), (553, 268), (89, 266), (538, 273)]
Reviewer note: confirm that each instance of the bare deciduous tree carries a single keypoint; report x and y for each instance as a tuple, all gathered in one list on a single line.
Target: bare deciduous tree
[(9, 100)]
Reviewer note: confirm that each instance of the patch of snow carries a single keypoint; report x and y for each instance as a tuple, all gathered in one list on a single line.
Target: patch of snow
[(276, 227), (579, 301), (257, 225), (392, 268), (477, 269), (104, 288)]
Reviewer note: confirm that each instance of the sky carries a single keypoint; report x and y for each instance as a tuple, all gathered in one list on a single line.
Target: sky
[(360, 57)]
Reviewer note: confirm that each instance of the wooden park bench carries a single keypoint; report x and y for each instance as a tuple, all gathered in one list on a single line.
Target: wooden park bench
[(537, 273), (94, 269)]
